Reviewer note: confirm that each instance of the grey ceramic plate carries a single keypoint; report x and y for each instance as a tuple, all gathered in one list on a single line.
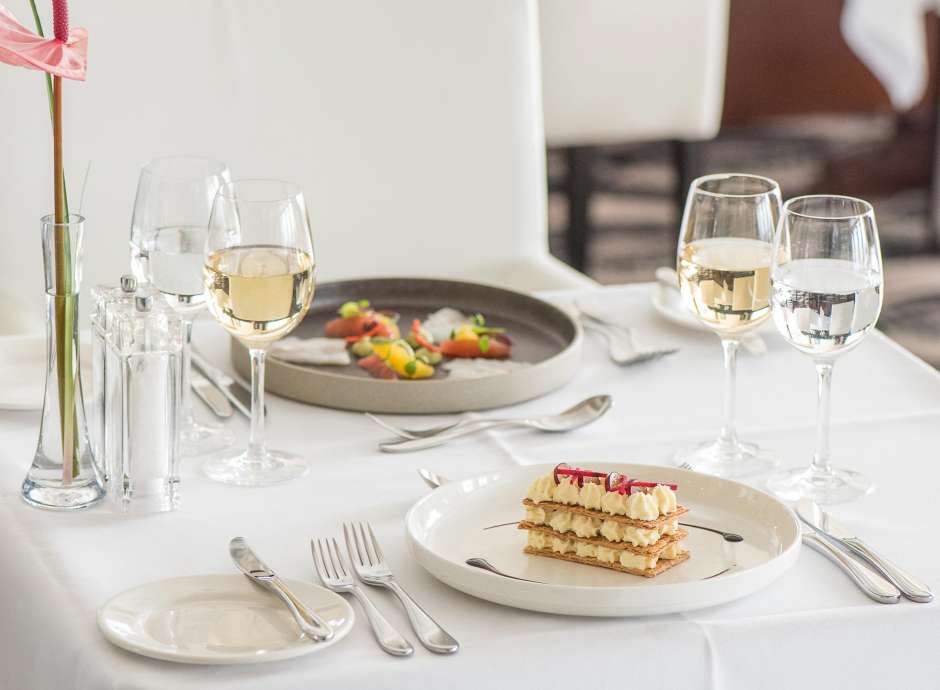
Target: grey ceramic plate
[(543, 335)]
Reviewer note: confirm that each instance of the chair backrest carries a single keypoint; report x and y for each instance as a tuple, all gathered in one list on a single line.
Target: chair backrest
[(414, 127), (616, 71)]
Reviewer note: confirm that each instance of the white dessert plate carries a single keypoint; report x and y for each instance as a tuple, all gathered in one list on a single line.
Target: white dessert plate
[(468, 518), (217, 619)]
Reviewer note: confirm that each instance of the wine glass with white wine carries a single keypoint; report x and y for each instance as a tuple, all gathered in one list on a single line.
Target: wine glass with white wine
[(827, 296), (724, 259), (168, 234), (259, 282)]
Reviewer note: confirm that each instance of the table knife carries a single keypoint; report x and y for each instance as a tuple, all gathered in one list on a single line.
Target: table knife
[(870, 582), (210, 395), (309, 622), (235, 391), (822, 522)]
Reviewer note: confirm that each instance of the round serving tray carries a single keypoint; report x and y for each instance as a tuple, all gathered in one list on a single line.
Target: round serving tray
[(543, 335)]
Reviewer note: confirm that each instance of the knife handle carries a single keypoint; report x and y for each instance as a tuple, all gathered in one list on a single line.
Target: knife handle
[(310, 623), (875, 586), (910, 587)]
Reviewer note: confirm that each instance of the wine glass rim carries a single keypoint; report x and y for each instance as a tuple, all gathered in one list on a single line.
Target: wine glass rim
[(289, 190), (696, 185), (213, 167), (867, 208)]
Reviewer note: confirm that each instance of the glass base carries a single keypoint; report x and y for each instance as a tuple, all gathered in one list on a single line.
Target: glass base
[(75, 496), (199, 438), (839, 486), (729, 459), (273, 467)]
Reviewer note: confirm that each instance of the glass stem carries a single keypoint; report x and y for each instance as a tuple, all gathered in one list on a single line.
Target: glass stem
[(729, 434), (256, 439), (821, 464), (186, 394)]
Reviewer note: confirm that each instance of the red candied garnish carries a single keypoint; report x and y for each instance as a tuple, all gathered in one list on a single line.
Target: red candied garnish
[(613, 481)]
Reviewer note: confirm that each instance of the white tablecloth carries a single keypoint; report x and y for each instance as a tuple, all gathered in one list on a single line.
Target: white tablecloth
[(810, 629)]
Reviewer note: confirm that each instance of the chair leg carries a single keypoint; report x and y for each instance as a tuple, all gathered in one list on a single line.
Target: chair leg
[(688, 163), (579, 185)]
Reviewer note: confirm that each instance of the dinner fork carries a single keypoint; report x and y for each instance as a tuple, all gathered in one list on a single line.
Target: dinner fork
[(622, 348), (336, 577), (372, 568)]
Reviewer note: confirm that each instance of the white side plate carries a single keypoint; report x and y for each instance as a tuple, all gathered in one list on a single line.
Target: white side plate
[(217, 619), (455, 522)]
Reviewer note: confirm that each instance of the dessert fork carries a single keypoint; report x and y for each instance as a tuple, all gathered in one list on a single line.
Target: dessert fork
[(336, 577), (622, 348), (372, 568)]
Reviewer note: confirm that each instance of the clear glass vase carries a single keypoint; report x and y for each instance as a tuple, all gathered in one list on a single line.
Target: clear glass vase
[(64, 474)]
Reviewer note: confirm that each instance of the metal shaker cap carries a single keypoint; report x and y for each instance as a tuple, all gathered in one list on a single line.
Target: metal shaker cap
[(128, 283), (143, 302)]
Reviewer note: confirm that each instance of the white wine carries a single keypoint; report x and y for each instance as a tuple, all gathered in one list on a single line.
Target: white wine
[(824, 307), (725, 281), (259, 293), (174, 265)]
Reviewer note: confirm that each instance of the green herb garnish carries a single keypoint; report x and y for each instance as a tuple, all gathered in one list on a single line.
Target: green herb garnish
[(484, 343), (411, 367), (351, 310)]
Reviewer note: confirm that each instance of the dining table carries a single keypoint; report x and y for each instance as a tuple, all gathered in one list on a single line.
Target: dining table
[(811, 628)]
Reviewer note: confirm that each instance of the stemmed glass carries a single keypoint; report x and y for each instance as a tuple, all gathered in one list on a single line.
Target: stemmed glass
[(259, 280), (827, 282), (724, 253), (168, 233)]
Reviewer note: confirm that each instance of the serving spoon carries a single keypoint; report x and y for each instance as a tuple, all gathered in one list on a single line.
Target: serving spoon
[(579, 415)]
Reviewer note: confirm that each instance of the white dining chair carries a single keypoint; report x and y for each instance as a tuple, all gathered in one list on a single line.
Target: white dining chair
[(414, 128), (616, 72)]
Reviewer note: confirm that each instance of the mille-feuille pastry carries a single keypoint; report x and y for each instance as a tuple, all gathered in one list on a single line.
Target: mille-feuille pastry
[(604, 519)]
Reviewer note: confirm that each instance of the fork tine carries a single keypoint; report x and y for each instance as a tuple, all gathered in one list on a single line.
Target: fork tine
[(318, 564), (365, 545), (327, 562), (339, 556), (355, 540), (329, 552), (375, 544), (350, 549)]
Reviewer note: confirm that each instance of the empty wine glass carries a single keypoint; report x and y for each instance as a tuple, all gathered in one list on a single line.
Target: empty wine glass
[(259, 280), (827, 280), (723, 260), (168, 234)]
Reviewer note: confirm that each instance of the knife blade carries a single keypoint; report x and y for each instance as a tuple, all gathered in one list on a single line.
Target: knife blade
[(210, 395), (255, 570), (824, 524), (237, 393)]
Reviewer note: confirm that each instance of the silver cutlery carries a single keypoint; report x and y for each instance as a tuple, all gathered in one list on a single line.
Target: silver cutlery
[(308, 621), (484, 564), (419, 433), (431, 479), (372, 568), (872, 584), (824, 524), (236, 392), (622, 347), (210, 395), (752, 342), (336, 577), (579, 415)]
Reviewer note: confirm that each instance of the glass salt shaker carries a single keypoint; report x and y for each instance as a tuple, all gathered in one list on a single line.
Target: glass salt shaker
[(142, 403)]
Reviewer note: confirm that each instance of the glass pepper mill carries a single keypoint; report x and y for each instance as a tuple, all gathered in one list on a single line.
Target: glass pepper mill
[(142, 405)]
